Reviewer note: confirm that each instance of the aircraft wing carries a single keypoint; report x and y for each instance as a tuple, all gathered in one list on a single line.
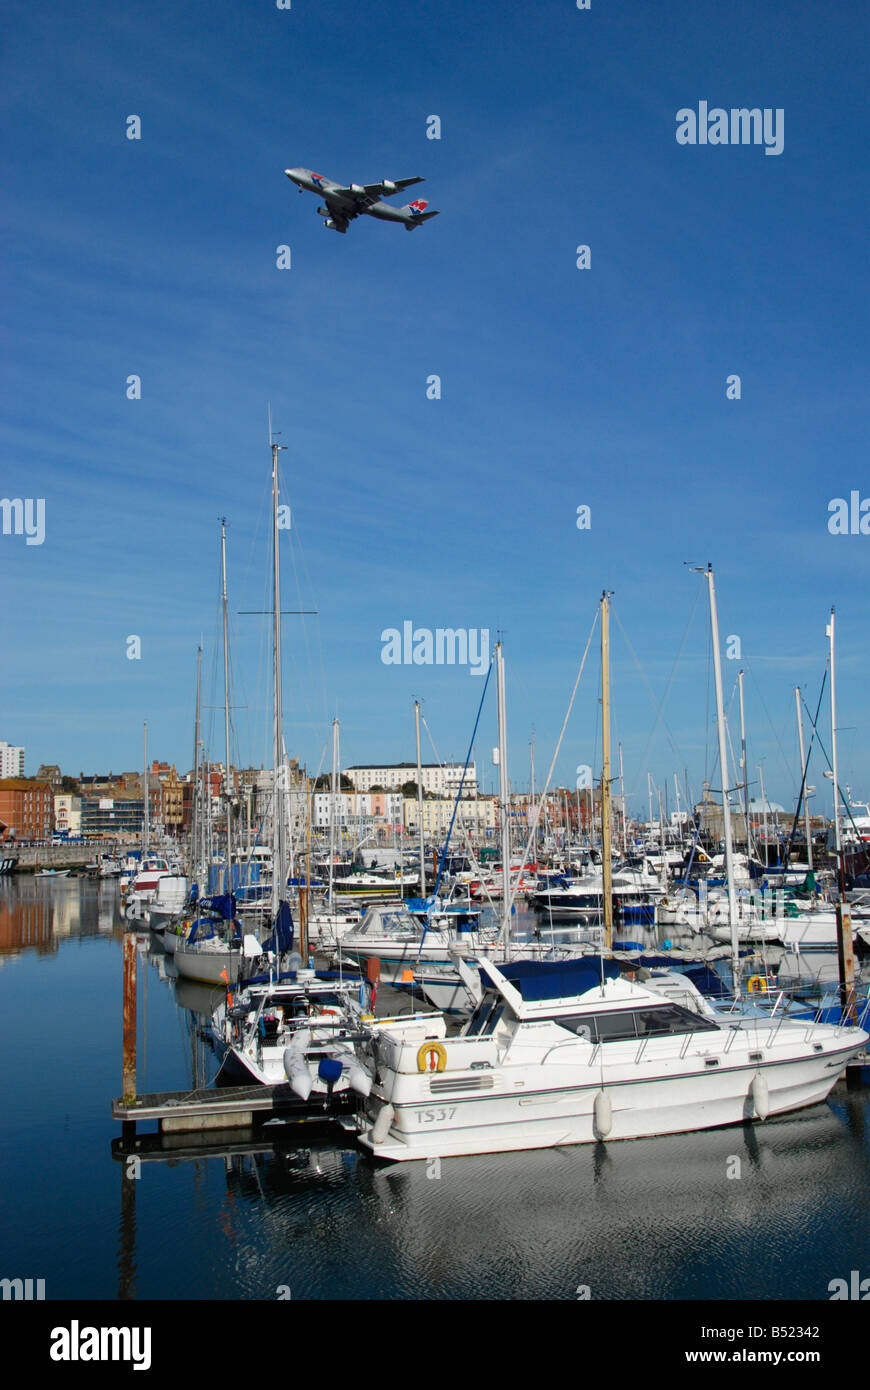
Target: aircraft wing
[(388, 187)]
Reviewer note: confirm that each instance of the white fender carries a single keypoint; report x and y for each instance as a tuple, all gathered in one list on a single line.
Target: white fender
[(296, 1068), (358, 1078), (602, 1114), (759, 1096), (381, 1126)]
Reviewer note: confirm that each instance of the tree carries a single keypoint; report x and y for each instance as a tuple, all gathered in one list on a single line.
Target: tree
[(323, 783), (409, 789)]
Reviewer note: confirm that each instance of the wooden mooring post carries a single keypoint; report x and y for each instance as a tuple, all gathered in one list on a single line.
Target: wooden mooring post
[(128, 1082)]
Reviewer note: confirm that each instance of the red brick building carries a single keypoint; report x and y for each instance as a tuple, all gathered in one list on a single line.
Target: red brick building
[(26, 808)]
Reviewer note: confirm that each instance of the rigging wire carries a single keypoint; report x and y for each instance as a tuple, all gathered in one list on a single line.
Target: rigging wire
[(659, 709), (508, 906)]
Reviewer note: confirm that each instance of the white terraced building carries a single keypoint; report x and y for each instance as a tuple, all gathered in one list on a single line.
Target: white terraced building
[(441, 781), (479, 817), (352, 808)]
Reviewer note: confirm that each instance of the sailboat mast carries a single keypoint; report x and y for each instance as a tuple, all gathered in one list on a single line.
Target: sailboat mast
[(845, 949), (800, 724), (723, 764), (332, 807), (145, 818), (744, 766), (279, 852), (607, 874), (228, 793), (532, 802), (830, 636), (195, 809), (503, 779), (420, 802)]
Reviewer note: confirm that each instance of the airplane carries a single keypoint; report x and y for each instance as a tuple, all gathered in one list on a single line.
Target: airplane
[(344, 204)]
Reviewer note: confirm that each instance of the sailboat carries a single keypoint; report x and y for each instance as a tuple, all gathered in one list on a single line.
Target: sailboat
[(293, 1027), (213, 949)]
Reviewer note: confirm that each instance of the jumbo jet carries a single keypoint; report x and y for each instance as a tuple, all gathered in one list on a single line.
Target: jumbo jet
[(344, 204)]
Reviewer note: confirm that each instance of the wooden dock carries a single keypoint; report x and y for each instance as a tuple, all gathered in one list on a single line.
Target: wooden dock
[(224, 1107)]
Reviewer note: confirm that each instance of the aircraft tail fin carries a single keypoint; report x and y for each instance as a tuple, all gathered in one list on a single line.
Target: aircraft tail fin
[(416, 214)]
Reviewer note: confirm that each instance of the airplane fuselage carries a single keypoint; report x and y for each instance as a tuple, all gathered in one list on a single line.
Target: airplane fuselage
[(344, 203)]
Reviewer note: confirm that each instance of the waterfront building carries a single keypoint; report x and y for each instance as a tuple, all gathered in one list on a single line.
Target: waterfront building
[(26, 808), (172, 796), (11, 760), (119, 816), (365, 812), (477, 815), (438, 780), (67, 814)]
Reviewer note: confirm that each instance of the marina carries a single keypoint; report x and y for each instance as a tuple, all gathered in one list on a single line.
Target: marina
[(301, 1205)]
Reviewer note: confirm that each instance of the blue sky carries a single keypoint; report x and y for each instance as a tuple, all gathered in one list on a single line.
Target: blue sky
[(560, 387)]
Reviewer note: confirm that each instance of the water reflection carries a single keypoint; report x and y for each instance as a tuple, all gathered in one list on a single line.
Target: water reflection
[(772, 1211), (752, 1212), (36, 914)]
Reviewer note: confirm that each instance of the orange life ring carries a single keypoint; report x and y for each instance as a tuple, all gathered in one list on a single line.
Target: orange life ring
[(432, 1056)]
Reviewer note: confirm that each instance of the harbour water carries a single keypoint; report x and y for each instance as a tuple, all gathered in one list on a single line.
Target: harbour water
[(763, 1212)]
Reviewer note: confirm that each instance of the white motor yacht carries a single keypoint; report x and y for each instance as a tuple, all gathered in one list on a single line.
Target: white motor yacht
[(569, 1053), (403, 940)]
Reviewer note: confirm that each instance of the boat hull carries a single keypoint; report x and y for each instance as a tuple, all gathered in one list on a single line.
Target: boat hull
[(207, 967), (532, 1112)]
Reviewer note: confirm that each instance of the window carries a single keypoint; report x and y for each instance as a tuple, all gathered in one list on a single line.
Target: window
[(615, 1027), (670, 1019), (662, 1021), (486, 1016)]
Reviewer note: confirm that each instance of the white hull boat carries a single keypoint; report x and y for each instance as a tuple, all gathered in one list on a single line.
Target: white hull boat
[(169, 899), (552, 1058), (402, 942), (210, 962)]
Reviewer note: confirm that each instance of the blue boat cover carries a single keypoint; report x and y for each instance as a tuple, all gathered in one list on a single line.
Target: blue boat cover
[(282, 936), (557, 979), (707, 981), (224, 904), (195, 934)]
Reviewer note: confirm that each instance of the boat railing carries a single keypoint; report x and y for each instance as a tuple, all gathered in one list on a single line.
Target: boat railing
[(568, 1042), (854, 1005), (733, 1033), (779, 1022)]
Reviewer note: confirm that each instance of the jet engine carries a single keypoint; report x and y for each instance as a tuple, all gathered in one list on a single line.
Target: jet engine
[(323, 212), (389, 187)]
